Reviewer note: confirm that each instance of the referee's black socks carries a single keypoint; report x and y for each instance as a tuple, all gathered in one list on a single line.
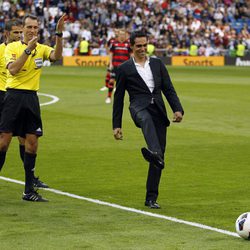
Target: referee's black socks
[(2, 158), (29, 166), (21, 151)]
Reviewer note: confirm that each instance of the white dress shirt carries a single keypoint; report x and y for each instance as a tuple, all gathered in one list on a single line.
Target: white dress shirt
[(146, 74)]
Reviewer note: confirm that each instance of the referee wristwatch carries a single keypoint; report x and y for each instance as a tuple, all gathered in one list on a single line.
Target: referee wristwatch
[(59, 34), (27, 51)]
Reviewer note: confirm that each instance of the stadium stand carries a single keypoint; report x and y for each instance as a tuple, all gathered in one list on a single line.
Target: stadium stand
[(215, 26)]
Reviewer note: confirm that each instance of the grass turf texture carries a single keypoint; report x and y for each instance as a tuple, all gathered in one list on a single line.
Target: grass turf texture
[(206, 179)]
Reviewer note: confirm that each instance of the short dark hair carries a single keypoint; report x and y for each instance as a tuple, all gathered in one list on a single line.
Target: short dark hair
[(29, 16), (136, 34), (11, 23)]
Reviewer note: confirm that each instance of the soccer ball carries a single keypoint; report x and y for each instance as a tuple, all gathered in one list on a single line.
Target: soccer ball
[(242, 225)]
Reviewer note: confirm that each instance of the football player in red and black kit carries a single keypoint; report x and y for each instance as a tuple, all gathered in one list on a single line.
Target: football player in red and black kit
[(109, 43), (119, 53)]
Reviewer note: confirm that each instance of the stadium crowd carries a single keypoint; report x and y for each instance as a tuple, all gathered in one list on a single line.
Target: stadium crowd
[(212, 27)]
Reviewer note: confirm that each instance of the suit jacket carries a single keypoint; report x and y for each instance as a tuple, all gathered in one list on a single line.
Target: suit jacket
[(127, 78)]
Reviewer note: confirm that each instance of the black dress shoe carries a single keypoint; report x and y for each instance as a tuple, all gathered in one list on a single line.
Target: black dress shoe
[(152, 204), (153, 157)]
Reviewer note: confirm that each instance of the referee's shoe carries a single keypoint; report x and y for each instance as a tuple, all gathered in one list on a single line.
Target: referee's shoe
[(33, 196), (38, 183)]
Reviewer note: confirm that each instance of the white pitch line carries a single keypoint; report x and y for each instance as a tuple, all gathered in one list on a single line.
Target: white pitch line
[(54, 99), (133, 210)]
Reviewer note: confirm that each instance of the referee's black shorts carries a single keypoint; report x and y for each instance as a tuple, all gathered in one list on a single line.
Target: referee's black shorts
[(2, 95), (21, 113)]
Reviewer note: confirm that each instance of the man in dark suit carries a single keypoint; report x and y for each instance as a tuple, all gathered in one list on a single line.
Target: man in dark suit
[(145, 79)]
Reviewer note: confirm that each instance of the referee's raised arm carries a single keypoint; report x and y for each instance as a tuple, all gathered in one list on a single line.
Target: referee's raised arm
[(57, 53)]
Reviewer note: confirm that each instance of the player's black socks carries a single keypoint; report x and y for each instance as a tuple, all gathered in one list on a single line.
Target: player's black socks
[(2, 158), (21, 151), (29, 166)]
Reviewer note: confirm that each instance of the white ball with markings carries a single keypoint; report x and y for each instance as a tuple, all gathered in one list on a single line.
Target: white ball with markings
[(242, 225)]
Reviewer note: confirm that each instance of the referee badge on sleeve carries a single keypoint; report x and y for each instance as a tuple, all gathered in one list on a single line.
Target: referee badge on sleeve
[(39, 62)]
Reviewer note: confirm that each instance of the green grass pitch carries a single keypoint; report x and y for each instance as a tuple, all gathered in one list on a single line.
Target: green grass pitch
[(206, 179)]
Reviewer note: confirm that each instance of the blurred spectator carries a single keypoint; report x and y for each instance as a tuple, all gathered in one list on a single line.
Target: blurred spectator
[(193, 51), (209, 50), (240, 48), (6, 7), (150, 49), (85, 33), (84, 47), (1, 22)]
